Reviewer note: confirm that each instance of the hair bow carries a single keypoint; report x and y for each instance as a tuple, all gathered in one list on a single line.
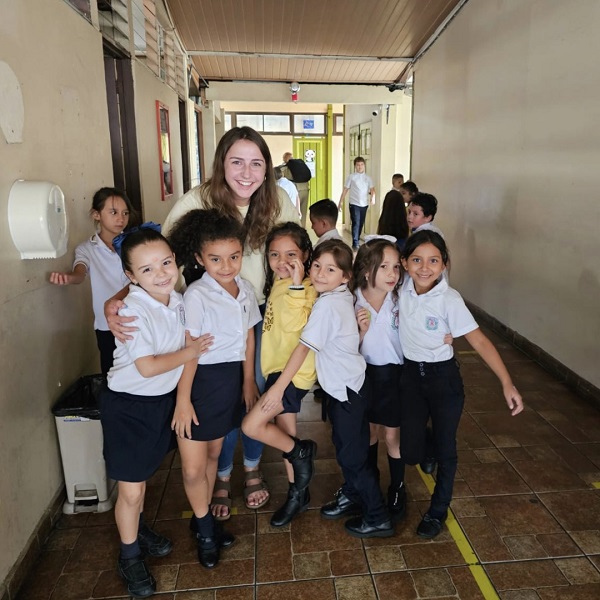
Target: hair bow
[(371, 237), (118, 241)]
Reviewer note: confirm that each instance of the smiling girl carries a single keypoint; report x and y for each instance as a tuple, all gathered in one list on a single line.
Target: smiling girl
[(137, 406)]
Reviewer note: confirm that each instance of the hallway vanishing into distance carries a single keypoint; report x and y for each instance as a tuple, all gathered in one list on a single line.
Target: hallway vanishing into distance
[(525, 524)]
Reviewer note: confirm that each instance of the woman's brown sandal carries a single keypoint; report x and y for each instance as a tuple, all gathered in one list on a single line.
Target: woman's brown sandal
[(255, 487), (220, 486)]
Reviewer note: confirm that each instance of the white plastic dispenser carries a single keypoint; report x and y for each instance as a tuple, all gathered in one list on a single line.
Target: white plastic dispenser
[(37, 219)]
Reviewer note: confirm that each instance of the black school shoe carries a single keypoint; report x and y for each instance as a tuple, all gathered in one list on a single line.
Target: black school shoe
[(297, 502), (225, 539), (342, 506), (397, 502), (428, 465), (208, 551), (430, 527), (359, 528), (139, 580), (153, 543)]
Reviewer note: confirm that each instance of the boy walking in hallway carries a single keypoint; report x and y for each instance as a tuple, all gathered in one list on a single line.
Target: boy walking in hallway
[(362, 191)]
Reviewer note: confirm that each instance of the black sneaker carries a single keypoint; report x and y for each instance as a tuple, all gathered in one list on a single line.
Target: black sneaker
[(153, 543), (134, 571), (397, 502), (430, 527)]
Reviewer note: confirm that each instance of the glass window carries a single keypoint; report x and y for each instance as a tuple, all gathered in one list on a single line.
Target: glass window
[(277, 124), (83, 7), (254, 121), (338, 124), (228, 121)]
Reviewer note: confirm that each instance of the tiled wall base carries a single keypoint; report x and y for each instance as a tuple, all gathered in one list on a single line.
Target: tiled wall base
[(572, 380), (10, 587)]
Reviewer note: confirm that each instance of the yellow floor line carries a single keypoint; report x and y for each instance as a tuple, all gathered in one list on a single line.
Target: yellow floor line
[(596, 484), (478, 572)]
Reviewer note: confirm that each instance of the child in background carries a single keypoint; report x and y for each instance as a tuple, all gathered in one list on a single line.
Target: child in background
[(431, 381), (285, 184), (408, 189), (211, 391), (332, 333), (362, 192), (393, 214), (137, 406), (323, 219), (110, 211), (421, 212), (375, 285), (290, 298)]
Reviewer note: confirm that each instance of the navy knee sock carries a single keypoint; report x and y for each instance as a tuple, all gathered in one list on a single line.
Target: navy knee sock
[(397, 469), (130, 550), (205, 525)]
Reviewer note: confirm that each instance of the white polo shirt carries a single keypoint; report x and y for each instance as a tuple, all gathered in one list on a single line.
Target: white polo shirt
[(359, 185), (290, 189), (429, 226), (332, 234), (381, 344), (161, 329), (106, 274), (332, 333), (425, 320), (211, 309)]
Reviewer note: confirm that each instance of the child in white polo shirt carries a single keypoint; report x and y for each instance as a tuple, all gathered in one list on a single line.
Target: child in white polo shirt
[(96, 257), (332, 333), (211, 390), (431, 382), (137, 406)]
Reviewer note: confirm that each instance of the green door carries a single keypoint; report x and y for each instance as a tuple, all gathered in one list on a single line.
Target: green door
[(313, 151)]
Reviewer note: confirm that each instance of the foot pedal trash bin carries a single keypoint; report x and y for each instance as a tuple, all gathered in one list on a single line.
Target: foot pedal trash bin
[(77, 418)]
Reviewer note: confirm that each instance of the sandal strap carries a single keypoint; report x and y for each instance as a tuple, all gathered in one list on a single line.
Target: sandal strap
[(221, 486), (222, 500), (253, 475)]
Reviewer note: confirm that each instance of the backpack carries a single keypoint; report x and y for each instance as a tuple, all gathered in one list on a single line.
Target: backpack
[(299, 171)]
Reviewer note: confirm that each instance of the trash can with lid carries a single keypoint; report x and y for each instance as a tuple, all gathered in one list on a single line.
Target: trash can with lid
[(77, 416)]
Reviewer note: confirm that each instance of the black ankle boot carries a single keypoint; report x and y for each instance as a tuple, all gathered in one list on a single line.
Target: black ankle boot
[(297, 502), (302, 458), (397, 502)]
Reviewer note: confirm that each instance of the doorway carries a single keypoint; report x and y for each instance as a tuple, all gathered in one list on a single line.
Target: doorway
[(121, 122), (313, 151)]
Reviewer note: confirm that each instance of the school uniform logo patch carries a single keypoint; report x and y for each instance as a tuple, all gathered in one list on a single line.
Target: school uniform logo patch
[(431, 323), (181, 310), (268, 320), (395, 319)]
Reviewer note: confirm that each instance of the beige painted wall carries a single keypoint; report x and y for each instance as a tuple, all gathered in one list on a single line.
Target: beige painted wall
[(506, 135), (47, 331)]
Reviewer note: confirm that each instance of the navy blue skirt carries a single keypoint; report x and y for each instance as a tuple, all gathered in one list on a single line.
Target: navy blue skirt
[(217, 400), (137, 433), (384, 394)]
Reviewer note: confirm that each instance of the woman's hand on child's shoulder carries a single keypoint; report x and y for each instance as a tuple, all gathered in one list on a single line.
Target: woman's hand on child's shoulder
[(116, 321), (513, 399), (363, 318), (200, 345)]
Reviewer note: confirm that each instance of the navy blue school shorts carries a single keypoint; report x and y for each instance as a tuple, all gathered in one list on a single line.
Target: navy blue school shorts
[(292, 396)]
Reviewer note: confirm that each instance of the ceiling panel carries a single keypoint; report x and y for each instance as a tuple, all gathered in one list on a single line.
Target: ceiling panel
[(302, 40)]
